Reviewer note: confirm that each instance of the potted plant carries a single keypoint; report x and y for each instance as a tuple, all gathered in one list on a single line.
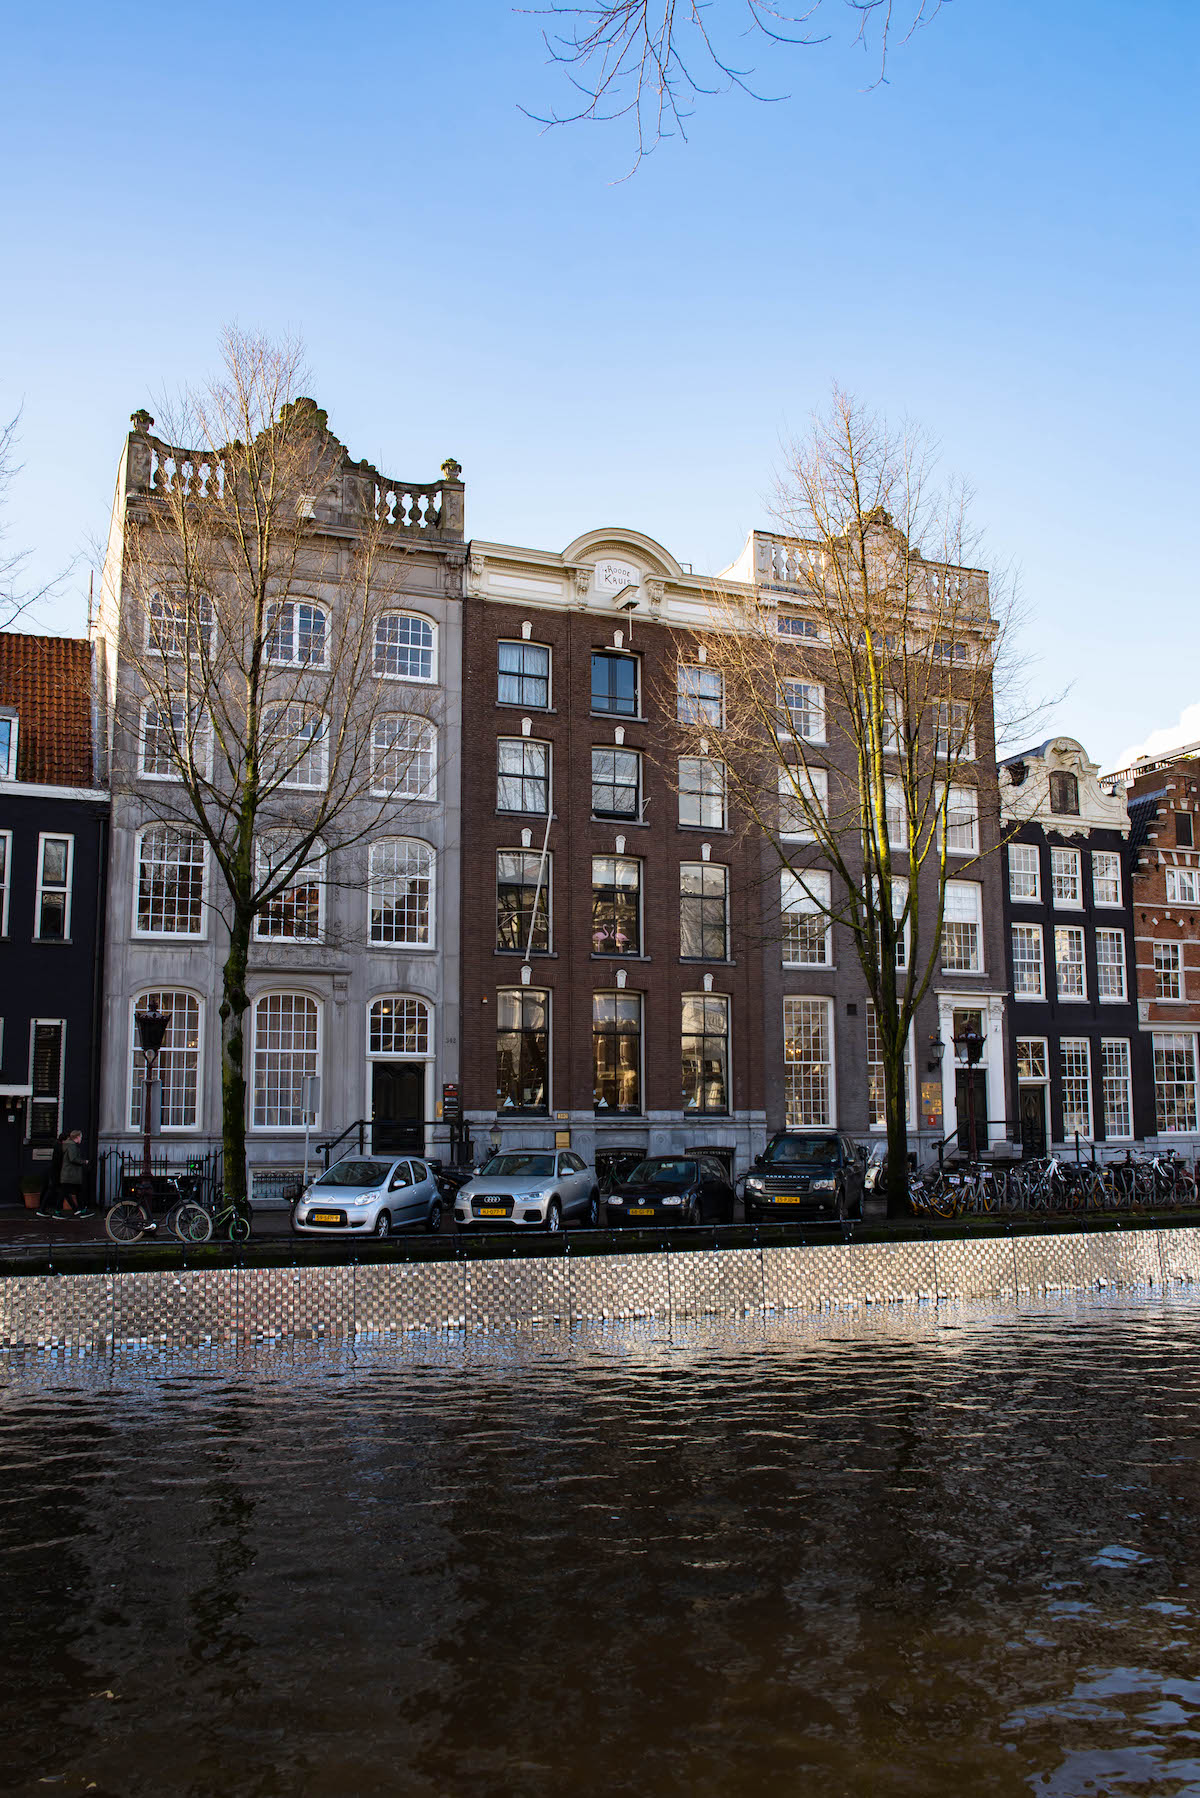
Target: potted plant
[(31, 1190)]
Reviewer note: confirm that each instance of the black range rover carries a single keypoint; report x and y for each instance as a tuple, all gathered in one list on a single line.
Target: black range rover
[(805, 1173)]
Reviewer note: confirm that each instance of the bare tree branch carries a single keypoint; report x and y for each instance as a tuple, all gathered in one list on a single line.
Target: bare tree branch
[(650, 60), (17, 602)]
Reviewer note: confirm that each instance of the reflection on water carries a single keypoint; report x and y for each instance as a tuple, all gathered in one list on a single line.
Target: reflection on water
[(926, 1554)]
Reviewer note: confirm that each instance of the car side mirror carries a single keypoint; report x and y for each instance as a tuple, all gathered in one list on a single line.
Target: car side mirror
[(758, 1161)]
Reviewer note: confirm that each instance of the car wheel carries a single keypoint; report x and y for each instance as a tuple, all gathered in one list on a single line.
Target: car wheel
[(383, 1224), (591, 1217), (553, 1217), (433, 1222), (695, 1214)]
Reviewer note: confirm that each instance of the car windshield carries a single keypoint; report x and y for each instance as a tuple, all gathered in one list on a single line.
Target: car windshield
[(356, 1173), (820, 1149), (663, 1173), (509, 1167)]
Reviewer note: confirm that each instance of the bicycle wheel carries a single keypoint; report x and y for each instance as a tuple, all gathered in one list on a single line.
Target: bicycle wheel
[(192, 1222), (943, 1197), (239, 1228), (126, 1221)]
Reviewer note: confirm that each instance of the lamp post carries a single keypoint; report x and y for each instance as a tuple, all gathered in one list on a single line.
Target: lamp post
[(970, 1044), (151, 1028), (495, 1140)]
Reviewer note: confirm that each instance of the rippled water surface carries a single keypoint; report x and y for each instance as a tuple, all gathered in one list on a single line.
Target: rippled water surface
[(929, 1554)]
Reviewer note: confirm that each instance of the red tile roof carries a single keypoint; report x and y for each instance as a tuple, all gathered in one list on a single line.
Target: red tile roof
[(49, 682)]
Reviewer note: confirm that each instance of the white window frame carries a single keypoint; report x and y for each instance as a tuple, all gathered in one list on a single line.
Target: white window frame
[(311, 872), (424, 744), (872, 1029), (66, 889), (375, 880), (1060, 861), (379, 650), (703, 769), (954, 966), (691, 705), (1118, 962), (948, 718), (1175, 1042), (808, 710), (1073, 1045), (1100, 857), (794, 1002), (1170, 965), (524, 744), (423, 1010), (793, 777), (1031, 849), (8, 767), (1109, 1079), (137, 1074), (1038, 1079), (1072, 933), (524, 644), (895, 815), (309, 770), (806, 894), (6, 841), (1033, 933), (201, 745), (181, 625), (615, 750), (187, 936), (293, 660), (257, 1002), (705, 1000), (962, 817), (702, 868), (1183, 886)]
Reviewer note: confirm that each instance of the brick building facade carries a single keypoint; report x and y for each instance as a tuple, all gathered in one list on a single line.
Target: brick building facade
[(611, 965), (1164, 808)]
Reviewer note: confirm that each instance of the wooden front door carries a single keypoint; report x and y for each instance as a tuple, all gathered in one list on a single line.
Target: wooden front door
[(398, 1107), (1033, 1121), (961, 1086)]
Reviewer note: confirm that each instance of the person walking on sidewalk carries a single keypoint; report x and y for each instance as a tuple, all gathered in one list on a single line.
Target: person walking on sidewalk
[(71, 1180)]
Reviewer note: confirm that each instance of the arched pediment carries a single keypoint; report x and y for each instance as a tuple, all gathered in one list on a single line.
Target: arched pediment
[(616, 541)]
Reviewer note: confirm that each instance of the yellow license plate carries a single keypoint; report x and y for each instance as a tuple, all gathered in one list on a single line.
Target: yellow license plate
[(326, 1217), (493, 1211), (641, 1211)]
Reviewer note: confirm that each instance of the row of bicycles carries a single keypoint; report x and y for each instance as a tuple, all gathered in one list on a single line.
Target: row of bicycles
[(177, 1206), (1151, 1183)]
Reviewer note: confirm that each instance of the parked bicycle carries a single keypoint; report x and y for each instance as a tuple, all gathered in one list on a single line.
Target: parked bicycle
[(172, 1207)]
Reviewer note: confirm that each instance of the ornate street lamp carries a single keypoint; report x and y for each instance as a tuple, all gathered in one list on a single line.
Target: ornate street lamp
[(151, 1028)]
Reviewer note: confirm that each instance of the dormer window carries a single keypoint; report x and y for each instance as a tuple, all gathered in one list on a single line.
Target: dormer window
[(8, 744), (1183, 829), (1064, 795)]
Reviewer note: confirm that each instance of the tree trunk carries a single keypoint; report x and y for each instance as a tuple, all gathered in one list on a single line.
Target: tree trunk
[(234, 1005), (897, 1130)]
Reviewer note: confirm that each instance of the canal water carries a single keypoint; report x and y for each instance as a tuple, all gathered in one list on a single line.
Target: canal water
[(906, 1553)]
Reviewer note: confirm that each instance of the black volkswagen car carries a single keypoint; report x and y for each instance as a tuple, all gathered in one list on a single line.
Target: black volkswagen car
[(671, 1189), (805, 1173)]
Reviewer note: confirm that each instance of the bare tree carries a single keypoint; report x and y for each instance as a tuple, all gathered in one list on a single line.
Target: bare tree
[(650, 60), (856, 729), (16, 601), (260, 709)]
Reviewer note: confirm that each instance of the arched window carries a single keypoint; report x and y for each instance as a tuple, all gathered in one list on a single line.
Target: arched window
[(398, 1026), (295, 747), (404, 647), (404, 757), (178, 1064), (294, 914), (298, 634), (287, 1046), (400, 893), (170, 882)]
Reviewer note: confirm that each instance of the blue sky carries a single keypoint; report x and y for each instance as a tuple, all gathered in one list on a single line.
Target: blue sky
[(1000, 242)]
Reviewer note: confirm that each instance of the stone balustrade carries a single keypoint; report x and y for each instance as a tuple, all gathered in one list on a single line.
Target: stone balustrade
[(783, 562)]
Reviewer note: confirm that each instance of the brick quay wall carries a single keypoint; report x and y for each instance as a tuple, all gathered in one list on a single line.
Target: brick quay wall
[(187, 1306)]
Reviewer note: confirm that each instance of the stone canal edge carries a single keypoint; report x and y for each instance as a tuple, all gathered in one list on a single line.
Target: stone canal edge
[(180, 1308)]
